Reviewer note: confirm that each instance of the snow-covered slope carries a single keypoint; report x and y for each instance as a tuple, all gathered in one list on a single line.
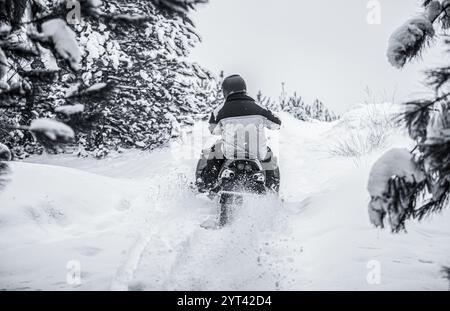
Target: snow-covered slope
[(131, 222)]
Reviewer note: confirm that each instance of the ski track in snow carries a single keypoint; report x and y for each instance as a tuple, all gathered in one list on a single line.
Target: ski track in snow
[(317, 238), (125, 273), (247, 255)]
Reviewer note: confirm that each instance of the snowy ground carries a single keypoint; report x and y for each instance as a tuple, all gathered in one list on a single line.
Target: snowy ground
[(131, 222)]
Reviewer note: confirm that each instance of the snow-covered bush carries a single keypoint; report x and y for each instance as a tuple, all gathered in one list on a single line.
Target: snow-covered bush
[(363, 130), (357, 145)]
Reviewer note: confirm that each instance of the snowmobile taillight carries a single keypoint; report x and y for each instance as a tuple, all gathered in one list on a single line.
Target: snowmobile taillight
[(227, 174), (248, 168), (259, 177), (241, 166)]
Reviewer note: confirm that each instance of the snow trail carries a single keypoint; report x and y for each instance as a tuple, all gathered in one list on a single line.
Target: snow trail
[(134, 224)]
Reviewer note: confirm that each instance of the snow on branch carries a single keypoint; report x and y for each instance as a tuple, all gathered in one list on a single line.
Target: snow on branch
[(416, 118), (5, 153), (69, 110), (64, 40), (98, 91), (51, 130), (393, 180), (409, 39)]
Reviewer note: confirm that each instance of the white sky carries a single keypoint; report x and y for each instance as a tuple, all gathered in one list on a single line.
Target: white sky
[(321, 49)]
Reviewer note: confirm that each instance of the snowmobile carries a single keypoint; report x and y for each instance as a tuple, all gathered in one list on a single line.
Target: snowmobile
[(237, 179)]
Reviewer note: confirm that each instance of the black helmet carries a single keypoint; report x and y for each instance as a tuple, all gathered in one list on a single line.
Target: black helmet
[(233, 84)]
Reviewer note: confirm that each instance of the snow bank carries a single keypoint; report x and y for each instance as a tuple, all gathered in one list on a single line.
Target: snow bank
[(40, 197), (366, 129), (52, 218)]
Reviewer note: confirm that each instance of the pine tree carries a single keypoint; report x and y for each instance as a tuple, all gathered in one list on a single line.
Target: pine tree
[(424, 187), (297, 107), (267, 102), (121, 69), (114, 73)]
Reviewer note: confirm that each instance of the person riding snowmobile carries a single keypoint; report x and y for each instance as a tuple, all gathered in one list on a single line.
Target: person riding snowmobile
[(241, 122)]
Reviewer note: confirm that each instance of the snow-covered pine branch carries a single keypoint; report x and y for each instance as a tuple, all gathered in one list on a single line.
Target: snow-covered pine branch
[(408, 40), (393, 184), (413, 36), (50, 132), (63, 39), (428, 123)]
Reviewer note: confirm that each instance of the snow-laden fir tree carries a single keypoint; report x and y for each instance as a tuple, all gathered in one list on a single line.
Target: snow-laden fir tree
[(110, 70), (411, 185), (114, 73)]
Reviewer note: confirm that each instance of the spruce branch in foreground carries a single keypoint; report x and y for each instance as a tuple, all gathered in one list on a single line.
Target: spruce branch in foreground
[(413, 185)]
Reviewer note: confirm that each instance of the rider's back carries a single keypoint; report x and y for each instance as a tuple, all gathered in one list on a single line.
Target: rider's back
[(242, 122)]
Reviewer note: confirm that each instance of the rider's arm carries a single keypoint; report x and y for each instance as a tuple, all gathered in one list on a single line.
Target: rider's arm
[(213, 125), (273, 122)]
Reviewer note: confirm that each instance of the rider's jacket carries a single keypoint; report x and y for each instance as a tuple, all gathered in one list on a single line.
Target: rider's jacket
[(242, 122)]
